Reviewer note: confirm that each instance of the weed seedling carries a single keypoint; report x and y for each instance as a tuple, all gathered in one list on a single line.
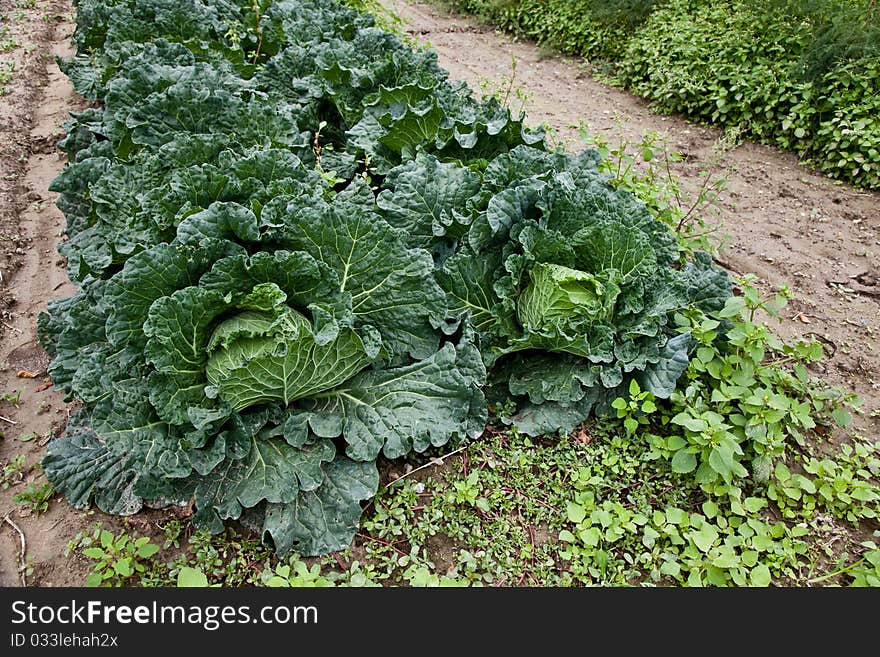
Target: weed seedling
[(117, 558), (13, 398), (36, 497), (13, 472)]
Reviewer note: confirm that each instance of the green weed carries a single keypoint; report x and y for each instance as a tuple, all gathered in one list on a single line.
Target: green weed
[(117, 559), (13, 398), (37, 497), (13, 472)]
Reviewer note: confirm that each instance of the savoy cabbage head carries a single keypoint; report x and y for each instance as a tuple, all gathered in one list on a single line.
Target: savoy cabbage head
[(246, 381), (573, 285)]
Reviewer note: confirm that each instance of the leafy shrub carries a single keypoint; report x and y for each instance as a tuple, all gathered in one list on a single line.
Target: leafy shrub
[(841, 32), (594, 28), (740, 65), (804, 76), (745, 399)]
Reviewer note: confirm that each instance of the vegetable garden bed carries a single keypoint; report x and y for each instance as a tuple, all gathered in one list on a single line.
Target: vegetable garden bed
[(309, 264), (294, 257)]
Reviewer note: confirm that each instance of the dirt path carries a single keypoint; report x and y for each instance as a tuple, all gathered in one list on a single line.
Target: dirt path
[(32, 112), (783, 223)]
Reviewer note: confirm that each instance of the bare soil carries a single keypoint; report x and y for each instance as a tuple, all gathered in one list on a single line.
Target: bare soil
[(780, 221)]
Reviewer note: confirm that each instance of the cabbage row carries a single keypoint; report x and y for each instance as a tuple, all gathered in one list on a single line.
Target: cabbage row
[(299, 247)]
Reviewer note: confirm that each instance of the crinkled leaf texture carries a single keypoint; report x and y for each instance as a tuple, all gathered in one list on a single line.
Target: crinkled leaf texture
[(297, 255), (573, 286), (398, 410), (82, 468), (324, 520)]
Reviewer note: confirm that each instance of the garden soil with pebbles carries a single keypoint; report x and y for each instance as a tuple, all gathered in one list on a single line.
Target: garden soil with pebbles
[(781, 222), (785, 224), (38, 101)]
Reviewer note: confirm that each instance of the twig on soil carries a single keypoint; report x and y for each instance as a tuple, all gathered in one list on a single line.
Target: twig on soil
[(6, 419), (432, 462), (509, 489), (22, 556), (393, 545), (725, 265), (339, 560), (12, 328)]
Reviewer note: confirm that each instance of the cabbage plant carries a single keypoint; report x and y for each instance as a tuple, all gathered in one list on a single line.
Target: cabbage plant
[(575, 288), (299, 247)]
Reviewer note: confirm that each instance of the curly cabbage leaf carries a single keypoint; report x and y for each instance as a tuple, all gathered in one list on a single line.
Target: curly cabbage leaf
[(300, 246), (581, 299)]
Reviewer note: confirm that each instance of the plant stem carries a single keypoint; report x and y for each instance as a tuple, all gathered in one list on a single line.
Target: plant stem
[(255, 5), (506, 101), (827, 576)]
